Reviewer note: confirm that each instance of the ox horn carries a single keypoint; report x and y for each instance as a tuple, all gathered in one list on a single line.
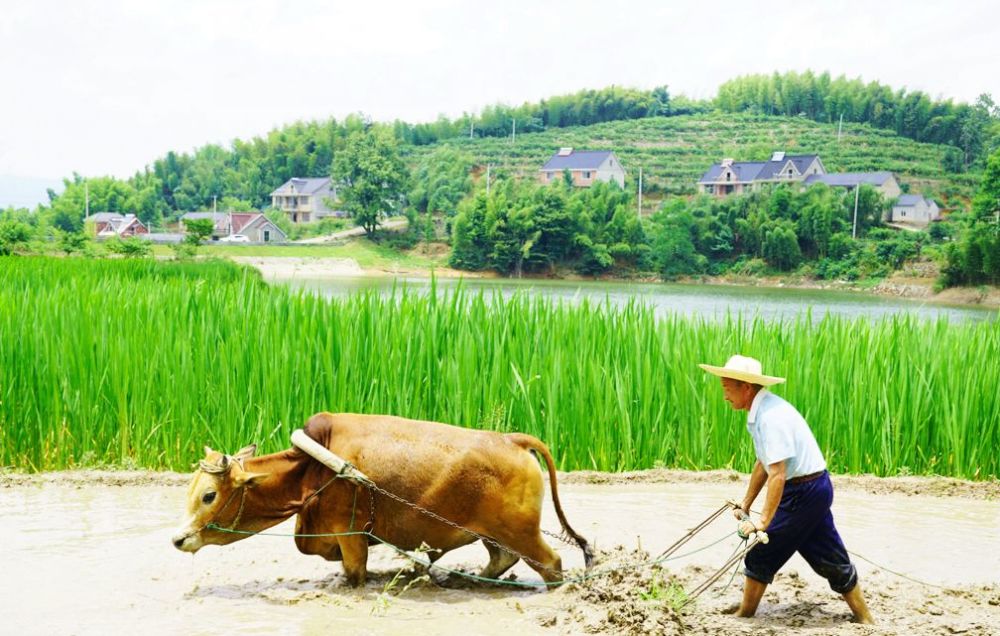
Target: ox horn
[(215, 469)]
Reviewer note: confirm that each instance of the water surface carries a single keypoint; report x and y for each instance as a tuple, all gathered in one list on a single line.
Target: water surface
[(707, 301)]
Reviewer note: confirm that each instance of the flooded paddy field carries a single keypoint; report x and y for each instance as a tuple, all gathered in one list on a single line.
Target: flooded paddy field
[(90, 553)]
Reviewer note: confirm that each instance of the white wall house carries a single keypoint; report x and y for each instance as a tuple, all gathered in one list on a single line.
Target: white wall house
[(738, 177), (305, 200), (585, 167), (915, 210)]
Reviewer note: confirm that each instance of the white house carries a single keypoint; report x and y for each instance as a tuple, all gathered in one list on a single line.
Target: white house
[(305, 200), (914, 209), (738, 177), (585, 167), (884, 182)]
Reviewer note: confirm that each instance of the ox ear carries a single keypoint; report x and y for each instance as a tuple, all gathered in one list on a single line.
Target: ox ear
[(248, 479), (208, 452), (246, 452)]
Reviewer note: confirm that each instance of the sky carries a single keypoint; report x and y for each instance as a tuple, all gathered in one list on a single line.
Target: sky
[(106, 87)]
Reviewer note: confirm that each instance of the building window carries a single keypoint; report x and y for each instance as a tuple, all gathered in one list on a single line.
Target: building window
[(267, 235), (729, 176), (586, 174)]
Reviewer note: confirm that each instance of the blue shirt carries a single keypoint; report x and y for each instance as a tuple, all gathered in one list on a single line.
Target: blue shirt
[(779, 433)]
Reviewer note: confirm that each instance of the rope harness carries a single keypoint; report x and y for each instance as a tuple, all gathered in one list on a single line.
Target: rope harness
[(350, 473), (346, 470)]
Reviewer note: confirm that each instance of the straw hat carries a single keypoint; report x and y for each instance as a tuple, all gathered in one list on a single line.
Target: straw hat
[(743, 369)]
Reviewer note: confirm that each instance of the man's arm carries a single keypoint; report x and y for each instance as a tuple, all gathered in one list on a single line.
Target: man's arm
[(775, 488), (758, 477)]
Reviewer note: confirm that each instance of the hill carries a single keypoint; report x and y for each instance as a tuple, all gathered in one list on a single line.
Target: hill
[(675, 151)]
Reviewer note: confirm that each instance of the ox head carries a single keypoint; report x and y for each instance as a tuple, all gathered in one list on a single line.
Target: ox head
[(216, 496)]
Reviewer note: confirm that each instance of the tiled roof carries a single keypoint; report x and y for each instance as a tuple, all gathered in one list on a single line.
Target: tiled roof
[(297, 185), (849, 179), (578, 160)]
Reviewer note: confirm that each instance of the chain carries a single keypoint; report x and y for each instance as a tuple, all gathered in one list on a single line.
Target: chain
[(561, 537), (448, 522)]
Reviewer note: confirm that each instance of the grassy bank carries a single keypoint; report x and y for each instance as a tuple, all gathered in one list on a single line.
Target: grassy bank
[(142, 363), (367, 253)]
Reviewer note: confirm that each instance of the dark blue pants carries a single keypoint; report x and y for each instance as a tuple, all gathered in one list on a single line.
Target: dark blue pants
[(804, 524)]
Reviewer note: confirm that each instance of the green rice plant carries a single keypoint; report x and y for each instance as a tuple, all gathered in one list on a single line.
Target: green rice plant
[(142, 363)]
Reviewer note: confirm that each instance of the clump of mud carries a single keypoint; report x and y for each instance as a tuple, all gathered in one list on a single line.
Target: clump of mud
[(620, 595), (623, 594)]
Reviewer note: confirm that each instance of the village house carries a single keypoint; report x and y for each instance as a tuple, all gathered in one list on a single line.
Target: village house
[(253, 225), (738, 177), (109, 224), (914, 209), (305, 200), (585, 167), (884, 182)]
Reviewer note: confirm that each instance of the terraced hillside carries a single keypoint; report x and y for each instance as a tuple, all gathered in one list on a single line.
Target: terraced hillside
[(675, 151)]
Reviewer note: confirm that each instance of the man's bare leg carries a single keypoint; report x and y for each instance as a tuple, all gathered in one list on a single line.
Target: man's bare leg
[(753, 591), (856, 601)]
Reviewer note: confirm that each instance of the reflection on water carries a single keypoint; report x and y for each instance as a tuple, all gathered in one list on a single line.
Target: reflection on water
[(708, 301)]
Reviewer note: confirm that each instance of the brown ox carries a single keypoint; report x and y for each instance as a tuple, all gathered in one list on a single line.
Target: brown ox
[(486, 482)]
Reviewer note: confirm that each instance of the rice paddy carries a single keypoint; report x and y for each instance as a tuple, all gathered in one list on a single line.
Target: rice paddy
[(141, 363)]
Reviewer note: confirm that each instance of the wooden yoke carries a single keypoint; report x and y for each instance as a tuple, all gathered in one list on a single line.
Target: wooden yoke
[(325, 456)]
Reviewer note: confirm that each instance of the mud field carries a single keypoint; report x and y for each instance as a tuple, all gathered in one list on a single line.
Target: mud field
[(90, 553)]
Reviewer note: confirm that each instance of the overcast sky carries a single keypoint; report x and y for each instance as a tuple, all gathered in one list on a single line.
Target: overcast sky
[(106, 87)]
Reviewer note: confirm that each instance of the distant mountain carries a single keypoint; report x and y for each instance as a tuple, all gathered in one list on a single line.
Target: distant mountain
[(26, 192)]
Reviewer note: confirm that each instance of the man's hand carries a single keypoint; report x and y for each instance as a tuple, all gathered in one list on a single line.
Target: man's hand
[(746, 528), (741, 513)]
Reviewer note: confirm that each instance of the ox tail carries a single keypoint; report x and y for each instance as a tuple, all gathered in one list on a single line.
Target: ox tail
[(534, 444)]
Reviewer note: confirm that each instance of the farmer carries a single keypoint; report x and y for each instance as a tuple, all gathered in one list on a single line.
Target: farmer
[(796, 514)]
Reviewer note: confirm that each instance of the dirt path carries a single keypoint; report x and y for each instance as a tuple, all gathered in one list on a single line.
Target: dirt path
[(90, 553), (354, 231)]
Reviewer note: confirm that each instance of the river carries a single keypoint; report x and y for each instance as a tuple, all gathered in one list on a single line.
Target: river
[(708, 301)]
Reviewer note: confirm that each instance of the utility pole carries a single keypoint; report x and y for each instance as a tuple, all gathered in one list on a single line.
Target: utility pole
[(86, 198), (470, 127), (640, 190), (487, 181), (214, 207), (840, 127), (513, 132), (857, 193)]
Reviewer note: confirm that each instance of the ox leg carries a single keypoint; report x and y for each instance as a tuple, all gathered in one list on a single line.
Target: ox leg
[(534, 547), (355, 552), (500, 561)]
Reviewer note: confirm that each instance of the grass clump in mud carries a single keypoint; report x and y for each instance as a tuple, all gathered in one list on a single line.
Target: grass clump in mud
[(625, 598)]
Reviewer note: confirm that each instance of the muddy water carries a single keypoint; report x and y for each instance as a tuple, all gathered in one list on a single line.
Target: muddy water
[(98, 560)]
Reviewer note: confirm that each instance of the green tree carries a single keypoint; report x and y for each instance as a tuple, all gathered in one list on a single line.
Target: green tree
[(441, 181), (131, 247), (673, 252), (987, 200), (470, 249), (371, 177), (781, 247), (72, 242), (198, 230), (14, 236)]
